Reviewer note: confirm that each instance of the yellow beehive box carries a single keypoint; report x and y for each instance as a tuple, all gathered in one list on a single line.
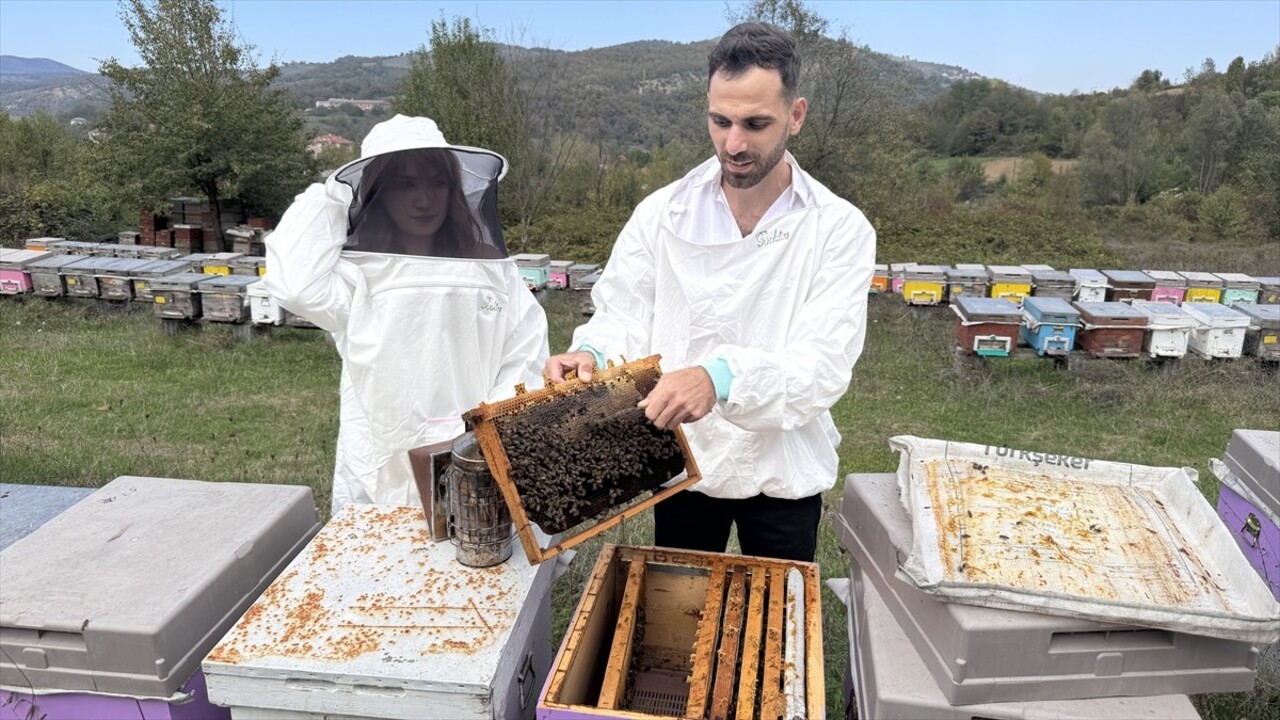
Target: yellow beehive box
[(924, 285), (1010, 282)]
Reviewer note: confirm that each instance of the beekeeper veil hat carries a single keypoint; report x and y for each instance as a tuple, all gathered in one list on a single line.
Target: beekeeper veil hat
[(415, 194)]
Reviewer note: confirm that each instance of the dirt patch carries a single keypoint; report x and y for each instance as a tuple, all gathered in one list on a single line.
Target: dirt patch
[(1012, 167)]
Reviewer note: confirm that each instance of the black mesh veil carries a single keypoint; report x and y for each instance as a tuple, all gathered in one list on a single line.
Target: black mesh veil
[(437, 201)]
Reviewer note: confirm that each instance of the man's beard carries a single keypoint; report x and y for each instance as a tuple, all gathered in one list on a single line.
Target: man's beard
[(760, 167)]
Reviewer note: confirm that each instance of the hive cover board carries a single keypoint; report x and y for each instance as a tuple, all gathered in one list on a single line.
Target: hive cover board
[(374, 620), (575, 452), (126, 591), (26, 507), (1111, 541), (979, 655)]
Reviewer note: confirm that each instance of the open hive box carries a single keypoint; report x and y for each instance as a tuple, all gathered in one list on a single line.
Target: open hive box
[(674, 633), (577, 451)]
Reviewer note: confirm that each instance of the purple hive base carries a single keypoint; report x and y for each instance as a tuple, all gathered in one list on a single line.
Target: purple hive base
[(78, 706), (1264, 556)]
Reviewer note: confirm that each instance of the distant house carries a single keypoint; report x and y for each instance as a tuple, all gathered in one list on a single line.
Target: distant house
[(328, 140), (362, 104)]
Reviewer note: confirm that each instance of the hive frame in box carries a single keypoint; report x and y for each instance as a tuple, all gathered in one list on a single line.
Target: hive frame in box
[(714, 671), (495, 455)]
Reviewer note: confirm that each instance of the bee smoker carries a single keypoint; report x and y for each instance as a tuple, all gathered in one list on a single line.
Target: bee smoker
[(479, 521)]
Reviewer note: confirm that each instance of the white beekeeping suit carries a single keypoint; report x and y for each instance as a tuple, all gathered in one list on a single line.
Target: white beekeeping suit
[(399, 255)]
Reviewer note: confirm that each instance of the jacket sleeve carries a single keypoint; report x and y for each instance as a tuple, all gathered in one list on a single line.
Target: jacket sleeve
[(303, 255), (785, 389), (624, 294), (526, 349)]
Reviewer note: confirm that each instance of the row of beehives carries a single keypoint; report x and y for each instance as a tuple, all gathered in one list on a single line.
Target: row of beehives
[(1053, 327), (220, 287), (937, 285), (914, 655)]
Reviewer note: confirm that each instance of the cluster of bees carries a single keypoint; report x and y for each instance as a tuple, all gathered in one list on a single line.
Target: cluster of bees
[(572, 466)]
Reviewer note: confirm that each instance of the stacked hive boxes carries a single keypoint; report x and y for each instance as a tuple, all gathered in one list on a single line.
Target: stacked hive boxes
[(915, 656), (107, 609), (1249, 499)]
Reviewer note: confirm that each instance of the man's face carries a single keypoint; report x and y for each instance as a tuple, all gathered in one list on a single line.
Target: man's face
[(750, 120)]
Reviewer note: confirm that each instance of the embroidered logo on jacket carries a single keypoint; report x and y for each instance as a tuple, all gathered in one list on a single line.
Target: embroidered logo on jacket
[(769, 237), (491, 304)]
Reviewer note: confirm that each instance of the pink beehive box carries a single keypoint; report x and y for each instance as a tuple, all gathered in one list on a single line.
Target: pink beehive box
[(14, 278)]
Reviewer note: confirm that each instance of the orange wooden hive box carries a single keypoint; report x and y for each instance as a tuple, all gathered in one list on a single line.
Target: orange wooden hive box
[(579, 451)]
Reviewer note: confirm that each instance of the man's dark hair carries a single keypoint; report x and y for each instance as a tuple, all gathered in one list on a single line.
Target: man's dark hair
[(757, 45)]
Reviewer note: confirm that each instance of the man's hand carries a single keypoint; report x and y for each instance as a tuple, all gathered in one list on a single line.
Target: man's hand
[(680, 397), (581, 361)]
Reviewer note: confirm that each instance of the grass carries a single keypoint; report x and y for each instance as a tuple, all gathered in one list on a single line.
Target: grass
[(86, 397)]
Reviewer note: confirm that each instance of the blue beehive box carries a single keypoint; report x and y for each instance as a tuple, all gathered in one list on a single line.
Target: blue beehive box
[(1049, 325)]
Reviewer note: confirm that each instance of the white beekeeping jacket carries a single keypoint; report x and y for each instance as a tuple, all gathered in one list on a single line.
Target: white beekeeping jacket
[(784, 306), (399, 255)]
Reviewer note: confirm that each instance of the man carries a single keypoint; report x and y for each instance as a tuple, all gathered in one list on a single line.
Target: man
[(750, 279)]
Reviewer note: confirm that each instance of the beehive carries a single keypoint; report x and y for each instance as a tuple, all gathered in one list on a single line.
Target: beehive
[(1091, 285), (1053, 283), (1238, 288), (1269, 290), (115, 280), (1219, 331), (82, 278), (175, 296), (224, 297), (46, 274), (967, 282), (535, 268), (1128, 285), (144, 274), (579, 271), (559, 277), (1202, 287), (15, 277), (1111, 329), (1262, 339), (1009, 282), (924, 284), (1049, 325), (880, 279), (986, 326), (662, 632), (1170, 286), (576, 451), (1168, 329)]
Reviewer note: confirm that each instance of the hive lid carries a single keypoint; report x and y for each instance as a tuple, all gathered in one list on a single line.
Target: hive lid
[(127, 590), (967, 274), (1101, 312), (91, 265), (1253, 456), (1196, 278), (1167, 278), (1045, 308), (156, 268), (1266, 316), (1216, 315), (27, 507), (372, 603), (987, 309), (18, 259), (1088, 277), (180, 281), (1164, 315), (1238, 280), (53, 262), (1037, 268), (1015, 273), (1053, 277), (1128, 277), (583, 268), (562, 264), (228, 283)]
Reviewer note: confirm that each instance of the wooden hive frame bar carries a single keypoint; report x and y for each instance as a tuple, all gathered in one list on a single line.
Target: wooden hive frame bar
[(612, 694), (481, 419), (730, 640)]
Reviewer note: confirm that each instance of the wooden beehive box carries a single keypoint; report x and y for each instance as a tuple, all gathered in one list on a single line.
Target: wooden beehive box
[(704, 636), (575, 452)]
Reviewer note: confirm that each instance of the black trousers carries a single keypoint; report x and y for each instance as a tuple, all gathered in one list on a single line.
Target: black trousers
[(767, 527)]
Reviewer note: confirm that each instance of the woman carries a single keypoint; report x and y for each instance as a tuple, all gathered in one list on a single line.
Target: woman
[(400, 256)]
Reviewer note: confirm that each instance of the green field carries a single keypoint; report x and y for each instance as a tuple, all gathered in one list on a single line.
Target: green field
[(87, 396)]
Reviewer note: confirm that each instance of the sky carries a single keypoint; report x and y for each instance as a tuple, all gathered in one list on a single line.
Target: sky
[(1052, 46)]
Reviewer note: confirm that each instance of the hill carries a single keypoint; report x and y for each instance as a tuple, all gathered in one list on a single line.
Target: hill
[(640, 93)]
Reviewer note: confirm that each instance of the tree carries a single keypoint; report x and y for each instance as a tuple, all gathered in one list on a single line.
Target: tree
[(465, 85), (1120, 159), (1150, 81), (197, 115), (1210, 136), (1234, 79)]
